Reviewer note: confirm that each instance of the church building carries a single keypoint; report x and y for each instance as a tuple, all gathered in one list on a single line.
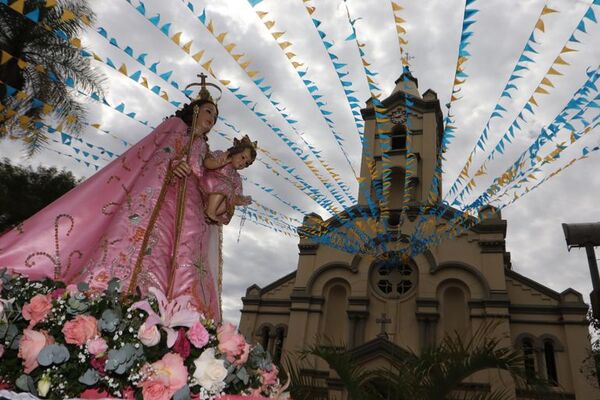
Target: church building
[(378, 310)]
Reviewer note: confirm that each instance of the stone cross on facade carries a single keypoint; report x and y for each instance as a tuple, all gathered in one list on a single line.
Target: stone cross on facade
[(383, 321)]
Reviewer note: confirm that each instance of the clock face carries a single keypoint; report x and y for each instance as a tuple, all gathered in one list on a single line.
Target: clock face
[(398, 116)]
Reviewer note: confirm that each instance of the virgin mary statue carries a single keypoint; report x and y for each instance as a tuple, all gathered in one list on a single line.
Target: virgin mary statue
[(139, 219)]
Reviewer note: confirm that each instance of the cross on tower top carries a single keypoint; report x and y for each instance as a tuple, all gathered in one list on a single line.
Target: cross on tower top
[(383, 321)]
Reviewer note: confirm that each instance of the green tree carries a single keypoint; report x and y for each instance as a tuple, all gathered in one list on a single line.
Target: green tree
[(24, 191), (435, 374), (51, 61)]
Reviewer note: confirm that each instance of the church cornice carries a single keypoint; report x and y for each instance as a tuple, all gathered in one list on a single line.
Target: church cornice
[(308, 249), (378, 347), (509, 273)]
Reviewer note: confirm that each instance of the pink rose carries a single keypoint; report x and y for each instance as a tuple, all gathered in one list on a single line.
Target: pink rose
[(80, 329), (97, 346), (154, 389), (57, 293), (94, 394), (232, 344), (99, 364), (198, 335), (269, 377), (32, 342), (169, 375), (149, 335), (37, 309), (72, 289), (182, 344)]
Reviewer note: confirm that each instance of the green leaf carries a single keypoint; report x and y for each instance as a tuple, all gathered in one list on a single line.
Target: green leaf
[(90, 378)]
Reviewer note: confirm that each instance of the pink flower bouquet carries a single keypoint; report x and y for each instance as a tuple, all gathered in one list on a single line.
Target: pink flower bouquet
[(59, 342)]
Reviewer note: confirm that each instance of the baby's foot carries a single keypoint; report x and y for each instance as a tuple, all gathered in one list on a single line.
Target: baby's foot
[(212, 218)]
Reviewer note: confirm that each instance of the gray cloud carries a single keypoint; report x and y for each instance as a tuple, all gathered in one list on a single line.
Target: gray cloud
[(261, 256)]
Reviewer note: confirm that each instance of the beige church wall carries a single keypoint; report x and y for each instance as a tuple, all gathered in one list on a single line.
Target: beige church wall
[(280, 292), (520, 293)]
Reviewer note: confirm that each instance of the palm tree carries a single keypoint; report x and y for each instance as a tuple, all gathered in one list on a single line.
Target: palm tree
[(438, 373), (41, 60)]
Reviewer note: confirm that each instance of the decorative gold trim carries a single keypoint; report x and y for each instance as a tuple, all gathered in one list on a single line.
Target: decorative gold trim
[(149, 229)]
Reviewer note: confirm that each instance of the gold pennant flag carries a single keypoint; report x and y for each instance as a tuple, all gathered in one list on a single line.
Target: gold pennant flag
[(252, 74), (365, 63), (245, 65), (540, 25), (176, 38), (165, 96), (546, 82), (207, 64), (567, 50), (548, 10), (559, 60), (5, 57), (67, 15), (198, 56), (552, 71), (458, 81), (97, 57), (290, 55), (224, 82), (70, 119), (237, 57), (210, 27), (24, 121), (97, 126), (262, 14), (284, 45), (399, 20), (18, 6), (533, 101), (403, 41), (123, 70), (230, 47), (144, 82), (541, 90), (221, 37), (396, 7), (400, 29), (297, 64), (270, 24), (47, 108), (21, 63), (50, 3), (277, 35), (86, 20), (187, 47), (75, 42), (311, 10)]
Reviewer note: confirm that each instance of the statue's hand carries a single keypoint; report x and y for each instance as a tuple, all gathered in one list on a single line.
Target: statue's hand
[(182, 169)]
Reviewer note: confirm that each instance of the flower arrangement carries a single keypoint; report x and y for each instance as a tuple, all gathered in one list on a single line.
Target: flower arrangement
[(61, 342)]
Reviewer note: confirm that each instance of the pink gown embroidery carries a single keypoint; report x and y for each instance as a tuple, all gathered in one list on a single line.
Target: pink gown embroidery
[(226, 181), (116, 221)]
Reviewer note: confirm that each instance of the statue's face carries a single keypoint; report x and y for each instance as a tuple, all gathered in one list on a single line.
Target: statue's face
[(207, 117), (241, 160)]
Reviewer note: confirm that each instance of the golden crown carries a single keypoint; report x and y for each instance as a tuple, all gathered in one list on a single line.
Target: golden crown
[(204, 93), (245, 140)]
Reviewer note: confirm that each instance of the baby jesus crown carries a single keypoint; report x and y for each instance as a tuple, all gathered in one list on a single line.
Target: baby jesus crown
[(204, 94), (245, 140)]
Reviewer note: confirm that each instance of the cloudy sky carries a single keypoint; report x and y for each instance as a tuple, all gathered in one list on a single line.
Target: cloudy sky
[(261, 255)]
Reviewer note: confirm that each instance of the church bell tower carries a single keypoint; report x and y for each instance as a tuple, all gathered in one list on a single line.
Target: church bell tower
[(414, 124)]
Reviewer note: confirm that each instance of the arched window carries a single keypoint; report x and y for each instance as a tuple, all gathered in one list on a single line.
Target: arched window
[(398, 136), (550, 362), (264, 337), (529, 359), (335, 315), (278, 350), (454, 308)]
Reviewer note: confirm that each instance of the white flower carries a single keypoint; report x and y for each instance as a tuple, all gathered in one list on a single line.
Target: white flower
[(210, 372), (43, 386)]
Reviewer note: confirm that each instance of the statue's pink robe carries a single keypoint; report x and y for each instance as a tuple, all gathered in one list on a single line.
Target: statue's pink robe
[(95, 232)]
